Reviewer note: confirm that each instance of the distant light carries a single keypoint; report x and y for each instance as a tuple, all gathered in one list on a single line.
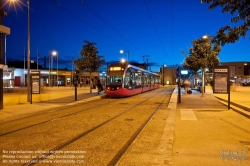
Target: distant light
[(184, 72), (123, 60), (121, 51), (54, 53), (205, 36)]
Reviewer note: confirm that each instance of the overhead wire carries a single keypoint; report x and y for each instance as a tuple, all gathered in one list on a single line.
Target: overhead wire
[(172, 13), (155, 28), (109, 25), (59, 5)]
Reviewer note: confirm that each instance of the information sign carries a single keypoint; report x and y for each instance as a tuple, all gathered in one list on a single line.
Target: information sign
[(220, 80), (35, 82)]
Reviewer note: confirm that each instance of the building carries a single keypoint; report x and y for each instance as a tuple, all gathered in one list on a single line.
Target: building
[(16, 77), (168, 75)]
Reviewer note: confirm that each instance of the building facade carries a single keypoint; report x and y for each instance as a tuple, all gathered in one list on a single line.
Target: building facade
[(15, 77), (168, 76)]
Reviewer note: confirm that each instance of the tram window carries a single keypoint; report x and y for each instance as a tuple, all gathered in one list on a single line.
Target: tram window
[(138, 79), (128, 82), (115, 79), (146, 80)]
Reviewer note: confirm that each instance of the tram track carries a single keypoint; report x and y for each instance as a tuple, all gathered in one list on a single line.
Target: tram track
[(79, 136), (123, 150), (54, 113), (97, 123)]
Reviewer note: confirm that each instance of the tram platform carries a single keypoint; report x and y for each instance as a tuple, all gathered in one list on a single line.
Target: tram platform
[(16, 104), (201, 130)]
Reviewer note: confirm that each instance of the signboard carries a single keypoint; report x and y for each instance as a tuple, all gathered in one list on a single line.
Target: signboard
[(35, 82), (220, 70), (184, 72), (221, 80)]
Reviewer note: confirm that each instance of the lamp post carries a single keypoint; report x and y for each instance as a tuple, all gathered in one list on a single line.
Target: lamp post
[(55, 54), (122, 51), (28, 56), (144, 56), (163, 74), (2, 14), (206, 37)]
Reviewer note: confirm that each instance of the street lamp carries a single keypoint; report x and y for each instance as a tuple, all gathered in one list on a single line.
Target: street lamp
[(123, 60), (2, 14), (206, 37), (122, 51), (163, 74), (28, 56), (55, 54)]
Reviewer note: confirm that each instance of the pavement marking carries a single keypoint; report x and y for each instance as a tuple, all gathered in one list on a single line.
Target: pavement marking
[(187, 114), (163, 155)]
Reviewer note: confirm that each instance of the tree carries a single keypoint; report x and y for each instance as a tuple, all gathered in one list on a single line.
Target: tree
[(89, 60), (240, 11), (203, 54)]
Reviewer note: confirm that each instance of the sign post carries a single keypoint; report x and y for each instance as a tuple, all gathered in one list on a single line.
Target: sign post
[(35, 83), (222, 80)]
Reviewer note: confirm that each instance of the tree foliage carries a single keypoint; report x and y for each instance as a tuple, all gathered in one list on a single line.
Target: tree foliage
[(202, 54), (89, 60), (240, 11)]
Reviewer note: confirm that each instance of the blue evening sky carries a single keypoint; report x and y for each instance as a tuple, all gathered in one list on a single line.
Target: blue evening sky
[(159, 28)]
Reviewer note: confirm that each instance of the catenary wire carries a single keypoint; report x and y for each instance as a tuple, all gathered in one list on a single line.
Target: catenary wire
[(110, 25), (59, 5), (155, 27)]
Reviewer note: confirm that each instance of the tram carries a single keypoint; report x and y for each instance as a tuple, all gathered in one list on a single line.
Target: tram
[(125, 80)]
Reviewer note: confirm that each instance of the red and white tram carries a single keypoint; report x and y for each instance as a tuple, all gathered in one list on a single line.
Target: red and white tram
[(124, 80)]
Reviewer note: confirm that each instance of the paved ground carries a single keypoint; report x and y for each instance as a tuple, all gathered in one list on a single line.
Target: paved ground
[(16, 105), (207, 133), (198, 117)]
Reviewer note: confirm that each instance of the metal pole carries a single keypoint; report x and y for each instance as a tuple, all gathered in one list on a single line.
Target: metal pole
[(57, 69), (24, 66), (128, 56), (228, 87), (52, 70), (147, 63), (71, 83), (163, 75), (28, 61), (49, 68), (5, 52), (37, 59), (179, 87), (1, 59), (202, 86)]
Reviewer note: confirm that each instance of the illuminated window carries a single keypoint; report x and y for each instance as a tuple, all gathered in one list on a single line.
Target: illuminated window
[(115, 68)]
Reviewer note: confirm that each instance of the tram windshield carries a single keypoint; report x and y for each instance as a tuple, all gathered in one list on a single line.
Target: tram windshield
[(115, 80)]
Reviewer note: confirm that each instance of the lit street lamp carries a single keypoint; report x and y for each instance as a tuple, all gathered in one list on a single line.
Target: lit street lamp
[(123, 60), (55, 54), (122, 51), (206, 37)]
